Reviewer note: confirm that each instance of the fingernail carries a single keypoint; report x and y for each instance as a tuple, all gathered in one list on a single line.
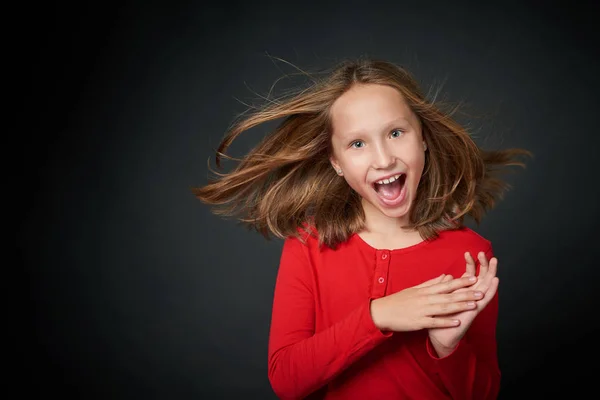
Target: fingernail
[(470, 303), (478, 294), (472, 278)]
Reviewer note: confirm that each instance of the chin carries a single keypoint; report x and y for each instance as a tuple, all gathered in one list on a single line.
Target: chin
[(398, 212)]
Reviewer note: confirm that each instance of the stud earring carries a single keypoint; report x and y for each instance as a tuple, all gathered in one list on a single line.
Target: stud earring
[(425, 146), (339, 172)]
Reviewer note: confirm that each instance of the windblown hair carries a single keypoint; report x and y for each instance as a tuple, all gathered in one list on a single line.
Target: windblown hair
[(287, 183)]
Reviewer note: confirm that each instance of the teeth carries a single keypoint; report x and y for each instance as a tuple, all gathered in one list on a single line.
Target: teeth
[(390, 180)]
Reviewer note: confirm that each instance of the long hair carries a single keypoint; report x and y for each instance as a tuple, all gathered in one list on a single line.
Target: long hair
[(286, 183)]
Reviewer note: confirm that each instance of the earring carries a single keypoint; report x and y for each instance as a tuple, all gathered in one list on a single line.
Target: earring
[(339, 172), (424, 146)]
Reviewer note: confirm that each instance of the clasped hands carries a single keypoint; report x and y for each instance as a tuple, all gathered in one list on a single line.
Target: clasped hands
[(445, 306)]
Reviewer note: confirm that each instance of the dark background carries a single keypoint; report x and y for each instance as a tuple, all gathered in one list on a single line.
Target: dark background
[(133, 289)]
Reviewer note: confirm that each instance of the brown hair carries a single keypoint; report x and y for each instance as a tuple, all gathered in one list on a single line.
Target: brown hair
[(286, 182)]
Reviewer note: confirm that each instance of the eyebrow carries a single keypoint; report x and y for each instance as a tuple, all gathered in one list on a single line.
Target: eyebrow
[(386, 127)]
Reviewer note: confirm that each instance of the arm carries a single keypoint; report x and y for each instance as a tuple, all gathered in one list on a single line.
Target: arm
[(300, 360), (471, 370)]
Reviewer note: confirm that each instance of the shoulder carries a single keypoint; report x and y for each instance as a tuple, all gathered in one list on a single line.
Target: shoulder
[(305, 239), (300, 255), (465, 237)]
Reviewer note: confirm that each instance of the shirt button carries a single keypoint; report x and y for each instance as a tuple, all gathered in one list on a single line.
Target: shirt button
[(384, 256), (381, 280)]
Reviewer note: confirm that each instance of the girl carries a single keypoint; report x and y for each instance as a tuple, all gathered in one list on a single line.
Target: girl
[(378, 294)]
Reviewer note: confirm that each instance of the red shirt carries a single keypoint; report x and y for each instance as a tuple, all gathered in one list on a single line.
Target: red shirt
[(323, 341)]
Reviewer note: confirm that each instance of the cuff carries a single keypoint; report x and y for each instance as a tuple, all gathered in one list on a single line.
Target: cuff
[(433, 354)]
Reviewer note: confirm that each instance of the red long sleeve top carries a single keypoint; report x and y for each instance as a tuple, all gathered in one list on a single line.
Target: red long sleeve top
[(323, 342)]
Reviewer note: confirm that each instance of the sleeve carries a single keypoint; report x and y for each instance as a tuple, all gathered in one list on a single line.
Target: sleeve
[(471, 371), (300, 360)]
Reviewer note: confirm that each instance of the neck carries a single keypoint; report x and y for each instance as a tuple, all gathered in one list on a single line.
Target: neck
[(380, 224)]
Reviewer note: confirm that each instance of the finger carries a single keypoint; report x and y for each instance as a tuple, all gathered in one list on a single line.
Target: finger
[(447, 278), (486, 281), (471, 269), (489, 295), (466, 295), (483, 263), (455, 297), (433, 281), (450, 286), (450, 308), (493, 267), (437, 322)]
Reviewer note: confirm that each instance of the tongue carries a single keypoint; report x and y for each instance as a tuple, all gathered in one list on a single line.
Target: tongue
[(389, 191)]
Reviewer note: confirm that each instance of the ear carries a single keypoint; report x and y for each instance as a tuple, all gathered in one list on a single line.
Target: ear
[(334, 163), (336, 166)]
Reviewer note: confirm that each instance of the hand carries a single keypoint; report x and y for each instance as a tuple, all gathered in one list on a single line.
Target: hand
[(445, 340), (425, 305)]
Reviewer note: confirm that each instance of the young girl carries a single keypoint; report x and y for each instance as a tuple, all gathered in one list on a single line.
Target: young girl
[(382, 292)]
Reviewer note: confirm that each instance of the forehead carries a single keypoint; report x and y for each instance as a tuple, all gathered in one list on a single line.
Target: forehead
[(368, 107)]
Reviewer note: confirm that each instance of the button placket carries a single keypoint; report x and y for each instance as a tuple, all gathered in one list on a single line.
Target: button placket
[(381, 273)]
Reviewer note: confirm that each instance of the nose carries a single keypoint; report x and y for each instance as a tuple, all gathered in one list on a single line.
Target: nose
[(382, 157)]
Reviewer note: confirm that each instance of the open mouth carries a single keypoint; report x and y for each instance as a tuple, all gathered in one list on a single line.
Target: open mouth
[(390, 190)]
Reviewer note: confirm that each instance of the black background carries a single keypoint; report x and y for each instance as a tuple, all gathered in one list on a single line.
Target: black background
[(133, 289)]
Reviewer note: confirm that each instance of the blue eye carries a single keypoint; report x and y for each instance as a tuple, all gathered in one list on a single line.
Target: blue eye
[(399, 133), (357, 142)]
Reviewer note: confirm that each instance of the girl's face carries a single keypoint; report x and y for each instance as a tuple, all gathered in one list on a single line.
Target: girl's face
[(378, 145)]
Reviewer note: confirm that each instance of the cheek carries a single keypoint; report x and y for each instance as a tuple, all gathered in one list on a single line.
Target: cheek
[(355, 177), (419, 167), (355, 164), (421, 162), (416, 155), (358, 164)]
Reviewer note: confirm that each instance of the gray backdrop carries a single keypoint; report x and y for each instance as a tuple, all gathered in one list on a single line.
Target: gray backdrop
[(135, 290)]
